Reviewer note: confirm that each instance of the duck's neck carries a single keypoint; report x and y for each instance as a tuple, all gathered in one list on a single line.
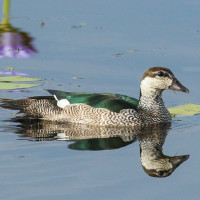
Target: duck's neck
[(150, 98), (152, 105)]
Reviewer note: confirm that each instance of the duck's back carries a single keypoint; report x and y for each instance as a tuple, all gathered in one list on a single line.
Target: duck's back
[(113, 102)]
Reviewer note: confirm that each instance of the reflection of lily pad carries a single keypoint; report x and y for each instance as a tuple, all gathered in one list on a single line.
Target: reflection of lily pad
[(185, 110), (5, 82)]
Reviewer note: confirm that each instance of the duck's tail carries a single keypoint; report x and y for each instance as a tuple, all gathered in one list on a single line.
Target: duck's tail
[(10, 104), (36, 107)]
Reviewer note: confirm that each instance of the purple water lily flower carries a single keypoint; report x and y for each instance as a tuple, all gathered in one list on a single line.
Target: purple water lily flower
[(15, 44)]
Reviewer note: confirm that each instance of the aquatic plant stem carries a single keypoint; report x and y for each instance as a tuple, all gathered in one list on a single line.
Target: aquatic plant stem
[(6, 12)]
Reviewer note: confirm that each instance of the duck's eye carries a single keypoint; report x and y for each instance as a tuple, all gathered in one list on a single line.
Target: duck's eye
[(160, 74), (161, 173)]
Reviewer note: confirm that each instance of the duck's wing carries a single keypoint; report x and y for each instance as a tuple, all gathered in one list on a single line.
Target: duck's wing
[(113, 102)]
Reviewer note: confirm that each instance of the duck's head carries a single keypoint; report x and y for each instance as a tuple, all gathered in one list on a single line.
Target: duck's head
[(161, 78)]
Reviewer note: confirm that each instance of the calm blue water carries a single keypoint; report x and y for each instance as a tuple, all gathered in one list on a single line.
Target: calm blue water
[(109, 44)]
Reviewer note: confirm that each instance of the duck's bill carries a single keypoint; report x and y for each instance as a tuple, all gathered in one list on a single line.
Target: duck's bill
[(177, 160), (177, 86)]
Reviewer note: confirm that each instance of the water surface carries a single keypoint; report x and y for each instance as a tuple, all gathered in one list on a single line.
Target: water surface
[(108, 45)]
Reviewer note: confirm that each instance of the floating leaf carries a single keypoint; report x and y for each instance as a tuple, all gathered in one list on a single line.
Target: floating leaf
[(11, 86), (74, 77), (16, 79), (185, 110), (9, 68), (8, 82)]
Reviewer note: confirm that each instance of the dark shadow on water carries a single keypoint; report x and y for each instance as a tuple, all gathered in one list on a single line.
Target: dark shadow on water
[(82, 137)]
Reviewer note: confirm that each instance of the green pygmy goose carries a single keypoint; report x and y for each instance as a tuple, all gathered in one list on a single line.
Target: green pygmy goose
[(103, 109)]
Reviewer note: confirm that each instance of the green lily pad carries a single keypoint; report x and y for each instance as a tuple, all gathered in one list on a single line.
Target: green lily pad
[(16, 79), (185, 110), (11, 82), (12, 86)]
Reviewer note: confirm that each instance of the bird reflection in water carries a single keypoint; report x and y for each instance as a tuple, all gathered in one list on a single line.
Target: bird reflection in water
[(151, 140), (154, 162)]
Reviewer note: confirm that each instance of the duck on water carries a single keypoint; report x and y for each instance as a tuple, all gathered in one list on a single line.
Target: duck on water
[(101, 109)]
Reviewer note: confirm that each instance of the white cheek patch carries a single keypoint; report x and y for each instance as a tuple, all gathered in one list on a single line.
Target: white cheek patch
[(61, 103), (146, 85), (156, 83), (148, 81)]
